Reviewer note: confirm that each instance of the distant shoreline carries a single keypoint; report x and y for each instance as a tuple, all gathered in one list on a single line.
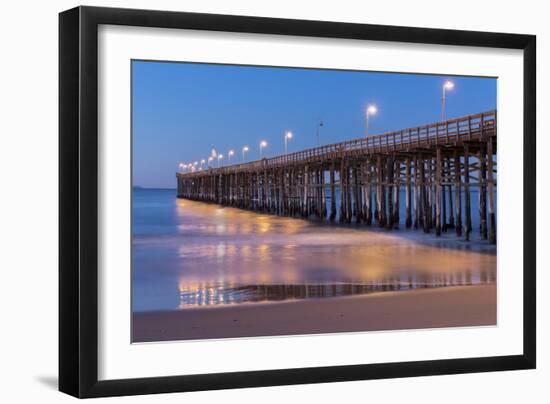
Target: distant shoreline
[(137, 187)]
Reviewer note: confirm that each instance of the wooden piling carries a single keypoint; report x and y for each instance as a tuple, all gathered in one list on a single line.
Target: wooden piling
[(389, 180), (396, 192), (451, 223), (482, 194), (343, 204), (467, 205), (380, 197), (438, 192), (266, 192), (348, 193), (320, 186), (443, 197), (378, 173), (408, 218), (305, 195), (357, 194), (416, 189), (332, 193), (424, 198), (368, 192), (323, 194), (490, 194), (458, 194), (431, 191)]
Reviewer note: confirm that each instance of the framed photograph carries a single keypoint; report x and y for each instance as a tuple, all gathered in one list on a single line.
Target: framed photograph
[(252, 201)]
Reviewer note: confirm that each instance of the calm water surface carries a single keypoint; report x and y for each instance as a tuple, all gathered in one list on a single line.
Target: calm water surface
[(188, 254)]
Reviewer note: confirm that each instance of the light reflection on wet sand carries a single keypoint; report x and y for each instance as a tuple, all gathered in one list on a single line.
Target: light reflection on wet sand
[(218, 255)]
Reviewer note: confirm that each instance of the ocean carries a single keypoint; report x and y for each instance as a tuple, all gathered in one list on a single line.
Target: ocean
[(188, 254)]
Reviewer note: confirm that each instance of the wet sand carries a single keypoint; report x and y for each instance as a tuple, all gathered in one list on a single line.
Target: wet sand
[(452, 306)]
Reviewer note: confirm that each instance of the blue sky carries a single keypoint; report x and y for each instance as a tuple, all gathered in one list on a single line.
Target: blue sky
[(181, 109)]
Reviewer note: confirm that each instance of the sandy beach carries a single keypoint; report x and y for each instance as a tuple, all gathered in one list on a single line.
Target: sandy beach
[(453, 306)]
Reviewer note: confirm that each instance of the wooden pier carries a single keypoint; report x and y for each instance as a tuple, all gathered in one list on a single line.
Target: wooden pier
[(436, 165)]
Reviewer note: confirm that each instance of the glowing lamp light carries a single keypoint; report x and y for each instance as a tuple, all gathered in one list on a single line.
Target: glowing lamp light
[(288, 135), (371, 110), (449, 85), (245, 149), (263, 144)]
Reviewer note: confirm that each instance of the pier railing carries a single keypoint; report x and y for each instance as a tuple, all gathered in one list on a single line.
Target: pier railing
[(450, 132)]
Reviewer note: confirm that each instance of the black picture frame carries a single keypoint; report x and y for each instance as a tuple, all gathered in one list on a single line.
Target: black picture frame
[(78, 201)]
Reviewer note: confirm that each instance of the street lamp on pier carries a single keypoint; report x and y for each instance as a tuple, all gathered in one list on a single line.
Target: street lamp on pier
[(288, 135), (319, 126), (229, 154), (263, 144), (448, 85), (245, 149), (371, 110), (220, 157)]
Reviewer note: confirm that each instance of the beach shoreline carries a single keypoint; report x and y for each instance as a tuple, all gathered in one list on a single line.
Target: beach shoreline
[(451, 306)]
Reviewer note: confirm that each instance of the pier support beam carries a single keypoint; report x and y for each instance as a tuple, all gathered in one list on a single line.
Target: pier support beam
[(451, 223), (408, 218), (389, 172), (357, 194), (380, 194), (438, 192), (431, 192), (467, 205), (323, 193), (491, 194), (320, 186), (443, 197), (425, 197), (266, 192), (482, 194), (343, 204), (332, 215), (377, 173), (368, 191), (305, 200), (416, 189), (458, 194), (396, 192), (348, 193)]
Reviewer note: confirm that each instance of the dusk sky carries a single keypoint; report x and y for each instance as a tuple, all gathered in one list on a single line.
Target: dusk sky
[(181, 109)]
